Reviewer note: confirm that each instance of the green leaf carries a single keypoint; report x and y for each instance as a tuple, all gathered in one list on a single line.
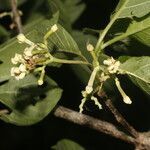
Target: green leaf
[(64, 42), (66, 144), (27, 102), (132, 8), (82, 40), (4, 34), (61, 39), (138, 68), (136, 28), (143, 37), (69, 10)]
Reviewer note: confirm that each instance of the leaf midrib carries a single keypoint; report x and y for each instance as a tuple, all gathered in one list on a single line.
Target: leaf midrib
[(137, 5)]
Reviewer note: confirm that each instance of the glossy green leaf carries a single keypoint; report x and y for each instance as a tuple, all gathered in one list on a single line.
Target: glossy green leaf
[(138, 68), (28, 102), (66, 144)]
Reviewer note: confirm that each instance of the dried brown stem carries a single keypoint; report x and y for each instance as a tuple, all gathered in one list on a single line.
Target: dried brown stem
[(16, 16), (101, 126), (121, 119)]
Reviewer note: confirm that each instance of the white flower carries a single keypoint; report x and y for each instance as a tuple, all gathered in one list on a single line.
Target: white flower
[(22, 39), (20, 76), (54, 28), (17, 59), (14, 71), (19, 72), (28, 51), (112, 64), (90, 47), (109, 61), (104, 77), (127, 99), (22, 68)]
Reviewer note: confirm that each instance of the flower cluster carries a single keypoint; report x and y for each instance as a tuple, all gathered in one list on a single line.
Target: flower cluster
[(112, 64), (33, 58)]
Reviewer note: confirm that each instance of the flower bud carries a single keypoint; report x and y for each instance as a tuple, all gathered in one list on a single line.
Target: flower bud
[(54, 28)]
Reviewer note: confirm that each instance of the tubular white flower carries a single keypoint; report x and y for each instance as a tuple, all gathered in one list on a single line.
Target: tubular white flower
[(54, 28), (127, 99), (17, 59), (22, 39)]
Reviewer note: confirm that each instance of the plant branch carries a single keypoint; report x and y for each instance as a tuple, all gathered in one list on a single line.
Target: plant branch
[(16, 16), (116, 39), (101, 126), (98, 47), (121, 119), (65, 61), (142, 142)]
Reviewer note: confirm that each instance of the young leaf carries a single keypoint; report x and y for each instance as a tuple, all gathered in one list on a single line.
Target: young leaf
[(27, 102), (66, 144), (138, 68), (135, 28), (132, 8), (125, 9)]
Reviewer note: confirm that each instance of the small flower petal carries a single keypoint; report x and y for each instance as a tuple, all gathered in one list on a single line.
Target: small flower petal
[(22, 68), (17, 59), (20, 76), (14, 71), (28, 51)]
